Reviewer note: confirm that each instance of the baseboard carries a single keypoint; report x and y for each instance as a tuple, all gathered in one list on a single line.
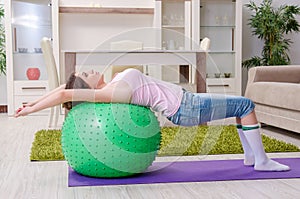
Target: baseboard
[(3, 108)]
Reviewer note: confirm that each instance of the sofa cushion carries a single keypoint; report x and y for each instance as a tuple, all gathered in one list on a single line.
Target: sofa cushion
[(285, 95)]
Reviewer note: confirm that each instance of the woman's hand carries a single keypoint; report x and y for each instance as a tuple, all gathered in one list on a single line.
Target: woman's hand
[(23, 111), (29, 104)]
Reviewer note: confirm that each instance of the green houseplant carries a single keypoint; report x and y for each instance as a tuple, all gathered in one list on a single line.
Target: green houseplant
[(271, 25), (2, 43)]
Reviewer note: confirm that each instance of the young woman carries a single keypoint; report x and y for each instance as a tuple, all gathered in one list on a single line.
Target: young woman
[(178, 105)]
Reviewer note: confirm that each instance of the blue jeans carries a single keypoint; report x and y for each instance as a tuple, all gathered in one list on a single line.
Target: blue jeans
[(198, 108)]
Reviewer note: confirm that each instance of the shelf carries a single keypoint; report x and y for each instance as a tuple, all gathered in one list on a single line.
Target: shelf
[(106, 10), (217, 1), (30, 26), (28, 53), (220, 79), (38, 2), (173, 26), (216, 26), (221, 52)]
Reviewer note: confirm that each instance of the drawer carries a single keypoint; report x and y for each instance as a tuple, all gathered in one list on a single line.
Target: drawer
[(222, 85), (30, 87), (20, 100)]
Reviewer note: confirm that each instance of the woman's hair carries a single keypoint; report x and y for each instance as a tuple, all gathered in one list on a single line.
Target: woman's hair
[(74, 82)]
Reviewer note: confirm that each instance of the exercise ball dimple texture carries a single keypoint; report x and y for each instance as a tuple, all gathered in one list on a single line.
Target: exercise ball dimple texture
[(110, 139)]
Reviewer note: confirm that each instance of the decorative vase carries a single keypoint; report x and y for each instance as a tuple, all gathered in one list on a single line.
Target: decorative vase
[(33, 73)]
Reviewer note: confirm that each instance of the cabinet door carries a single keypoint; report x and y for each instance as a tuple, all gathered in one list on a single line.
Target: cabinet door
[(220, 21), (26, 23), (175, 24), (31, 21), (217, 22)]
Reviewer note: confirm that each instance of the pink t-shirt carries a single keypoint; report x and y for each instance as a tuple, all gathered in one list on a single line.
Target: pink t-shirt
[(161, 96)]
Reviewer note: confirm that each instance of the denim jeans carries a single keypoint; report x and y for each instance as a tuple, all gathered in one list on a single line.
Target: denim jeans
[(198, 108)]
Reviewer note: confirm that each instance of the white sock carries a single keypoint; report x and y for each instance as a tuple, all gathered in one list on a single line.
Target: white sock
[(249, 159), (262, 162)]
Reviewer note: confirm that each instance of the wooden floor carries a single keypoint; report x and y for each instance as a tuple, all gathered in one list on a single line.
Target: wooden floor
[(20, 178)]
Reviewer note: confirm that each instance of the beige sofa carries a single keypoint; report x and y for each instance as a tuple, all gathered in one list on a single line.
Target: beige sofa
[(275, 90)]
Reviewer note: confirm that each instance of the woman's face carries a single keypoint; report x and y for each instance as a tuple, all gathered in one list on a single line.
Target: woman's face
[(92, 78)]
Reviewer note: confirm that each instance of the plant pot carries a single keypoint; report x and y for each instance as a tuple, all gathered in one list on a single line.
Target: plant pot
[(227, 75), (33, 73)]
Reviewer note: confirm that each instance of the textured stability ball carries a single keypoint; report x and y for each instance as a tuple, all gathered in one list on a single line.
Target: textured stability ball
[(110, 139)]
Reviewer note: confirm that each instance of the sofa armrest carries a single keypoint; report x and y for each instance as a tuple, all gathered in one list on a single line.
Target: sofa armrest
[(286, 73)]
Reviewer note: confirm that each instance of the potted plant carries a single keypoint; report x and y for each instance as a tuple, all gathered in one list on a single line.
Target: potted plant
[(2, 44), (271, 25)]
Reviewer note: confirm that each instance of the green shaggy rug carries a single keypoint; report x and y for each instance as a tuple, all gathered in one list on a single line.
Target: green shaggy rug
[(202, 140)]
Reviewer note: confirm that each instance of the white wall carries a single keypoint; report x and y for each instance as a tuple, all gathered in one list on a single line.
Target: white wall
[(3, 90), (252, 46), (97, 31), (3, 84)]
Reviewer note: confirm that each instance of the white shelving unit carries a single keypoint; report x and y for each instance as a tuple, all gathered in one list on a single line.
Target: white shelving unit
[(184, 23), (173, 19), (221, 21), (26, 23)]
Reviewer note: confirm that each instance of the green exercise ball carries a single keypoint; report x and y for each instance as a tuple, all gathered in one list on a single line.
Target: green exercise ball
[(109, 139)]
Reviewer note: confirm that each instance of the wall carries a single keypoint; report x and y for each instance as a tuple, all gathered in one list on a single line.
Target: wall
[(3, 83), (97, 31), (3, 90), (252, 46)]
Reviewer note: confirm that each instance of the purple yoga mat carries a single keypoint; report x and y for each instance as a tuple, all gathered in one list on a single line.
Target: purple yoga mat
[(191, 171)]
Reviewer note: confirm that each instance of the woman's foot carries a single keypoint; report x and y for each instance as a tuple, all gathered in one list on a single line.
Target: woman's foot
[(271, 165), (249, 160)]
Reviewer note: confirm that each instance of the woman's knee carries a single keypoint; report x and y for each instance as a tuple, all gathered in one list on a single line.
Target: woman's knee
[(249, 103), (248, 107)]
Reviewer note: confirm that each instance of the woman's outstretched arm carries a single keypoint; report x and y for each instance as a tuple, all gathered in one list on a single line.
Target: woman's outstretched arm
[(52, 99), (61, 87), (112, 93)]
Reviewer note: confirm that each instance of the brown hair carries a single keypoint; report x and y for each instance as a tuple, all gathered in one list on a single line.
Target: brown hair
[(74, 82)]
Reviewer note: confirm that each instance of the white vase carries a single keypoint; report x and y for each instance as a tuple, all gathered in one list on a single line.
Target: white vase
[(171, 45)]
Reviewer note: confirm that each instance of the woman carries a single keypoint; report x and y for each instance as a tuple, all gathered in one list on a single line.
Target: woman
[(179, 106)]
